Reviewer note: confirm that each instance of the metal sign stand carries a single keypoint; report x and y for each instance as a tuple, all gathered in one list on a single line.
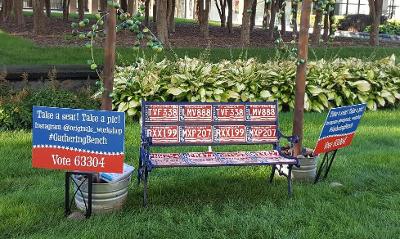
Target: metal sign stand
[(68, 201), (325, 165)]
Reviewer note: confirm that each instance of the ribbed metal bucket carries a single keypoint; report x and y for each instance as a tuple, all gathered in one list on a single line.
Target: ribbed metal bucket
[(307, 170), (106, 197)]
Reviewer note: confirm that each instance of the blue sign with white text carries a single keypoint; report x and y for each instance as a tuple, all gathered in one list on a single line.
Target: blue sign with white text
[(339, 128), (75, 139)]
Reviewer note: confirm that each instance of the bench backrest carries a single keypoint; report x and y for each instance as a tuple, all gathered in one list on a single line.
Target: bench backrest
[(186, 123)]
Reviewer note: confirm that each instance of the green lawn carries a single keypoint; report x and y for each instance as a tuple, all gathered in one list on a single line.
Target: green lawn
[(17, 51), (220, 202)]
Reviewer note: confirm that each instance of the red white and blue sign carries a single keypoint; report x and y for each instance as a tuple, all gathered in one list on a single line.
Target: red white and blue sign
[(339, 128), (75, 139)]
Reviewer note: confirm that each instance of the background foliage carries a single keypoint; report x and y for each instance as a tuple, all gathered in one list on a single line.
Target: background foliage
[(16, 105)]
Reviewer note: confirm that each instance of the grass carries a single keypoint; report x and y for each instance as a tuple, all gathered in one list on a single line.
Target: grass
[(220, 202), (18, 51)]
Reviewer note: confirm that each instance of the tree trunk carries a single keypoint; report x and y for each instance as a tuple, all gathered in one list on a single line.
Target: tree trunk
[(282, 8), (18, 12), (147, 12), (171, 15), (274, 8), (267, 15), (317, 26), (81, 9), (245, 33), (38, 16), (103, 5), (124, 5), (295, 8), (161, 22), (155, 12), (48, 8), (325, 36), (253, 15), (230, 15), (203, 9), (375, 9), (131, 6), (65, 9), (221, 7), (298, 117), (6, 10), (109, 60)]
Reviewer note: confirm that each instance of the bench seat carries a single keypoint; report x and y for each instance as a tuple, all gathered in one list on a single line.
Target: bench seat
[(204, 159)]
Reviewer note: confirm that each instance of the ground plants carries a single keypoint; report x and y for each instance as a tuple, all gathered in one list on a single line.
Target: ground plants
[(16, 106), (329, 83), (389, 27)]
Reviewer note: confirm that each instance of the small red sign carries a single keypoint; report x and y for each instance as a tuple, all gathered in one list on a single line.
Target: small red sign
[(230, 133), (161, 113), (230, 113), (262, 113), (332, 143), (196, 112), (196, 134), (163, 134), (71, 159), (262, 133)]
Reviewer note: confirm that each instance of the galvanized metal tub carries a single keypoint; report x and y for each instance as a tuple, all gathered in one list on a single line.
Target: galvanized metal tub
[(106, 197), (307, 170)]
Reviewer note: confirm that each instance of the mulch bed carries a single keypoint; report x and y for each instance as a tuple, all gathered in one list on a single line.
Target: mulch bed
[(58, 33)]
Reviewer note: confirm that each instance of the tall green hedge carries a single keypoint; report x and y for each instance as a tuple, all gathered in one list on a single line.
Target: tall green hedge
[(329, 83)]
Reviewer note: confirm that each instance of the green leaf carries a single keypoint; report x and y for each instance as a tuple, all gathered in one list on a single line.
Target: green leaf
[(371, 105), (175, 91), (265, 94), (123, 106), (362, 85), (323, 100)]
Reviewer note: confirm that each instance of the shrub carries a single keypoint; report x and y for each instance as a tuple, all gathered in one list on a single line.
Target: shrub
[(16, 107), (329, 84), (357, 22), (390, 27)]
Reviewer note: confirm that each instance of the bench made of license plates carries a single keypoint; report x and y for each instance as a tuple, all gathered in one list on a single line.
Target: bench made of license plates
[(195, 124)]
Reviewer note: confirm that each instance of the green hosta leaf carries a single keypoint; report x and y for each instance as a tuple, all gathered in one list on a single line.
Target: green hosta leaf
[(132, 112), (123, 106), (338, 100), (370, 75), (362, 85), (363, 98), (218, 91), (265, 94), (202, 92), (381, 101), (175, 91), (322, 98), (314, 90), (233, 95), (134, 104), (371, 105), (307, 105)]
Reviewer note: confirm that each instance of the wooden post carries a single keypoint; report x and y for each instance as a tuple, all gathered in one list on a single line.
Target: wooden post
[(298, 118), (109, 60)]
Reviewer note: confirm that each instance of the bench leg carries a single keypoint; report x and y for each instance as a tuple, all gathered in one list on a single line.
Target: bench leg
[(271, 177), (289, 177), (145, 175)]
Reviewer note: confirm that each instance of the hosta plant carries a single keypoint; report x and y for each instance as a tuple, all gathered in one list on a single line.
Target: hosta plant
[(329, 84)]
